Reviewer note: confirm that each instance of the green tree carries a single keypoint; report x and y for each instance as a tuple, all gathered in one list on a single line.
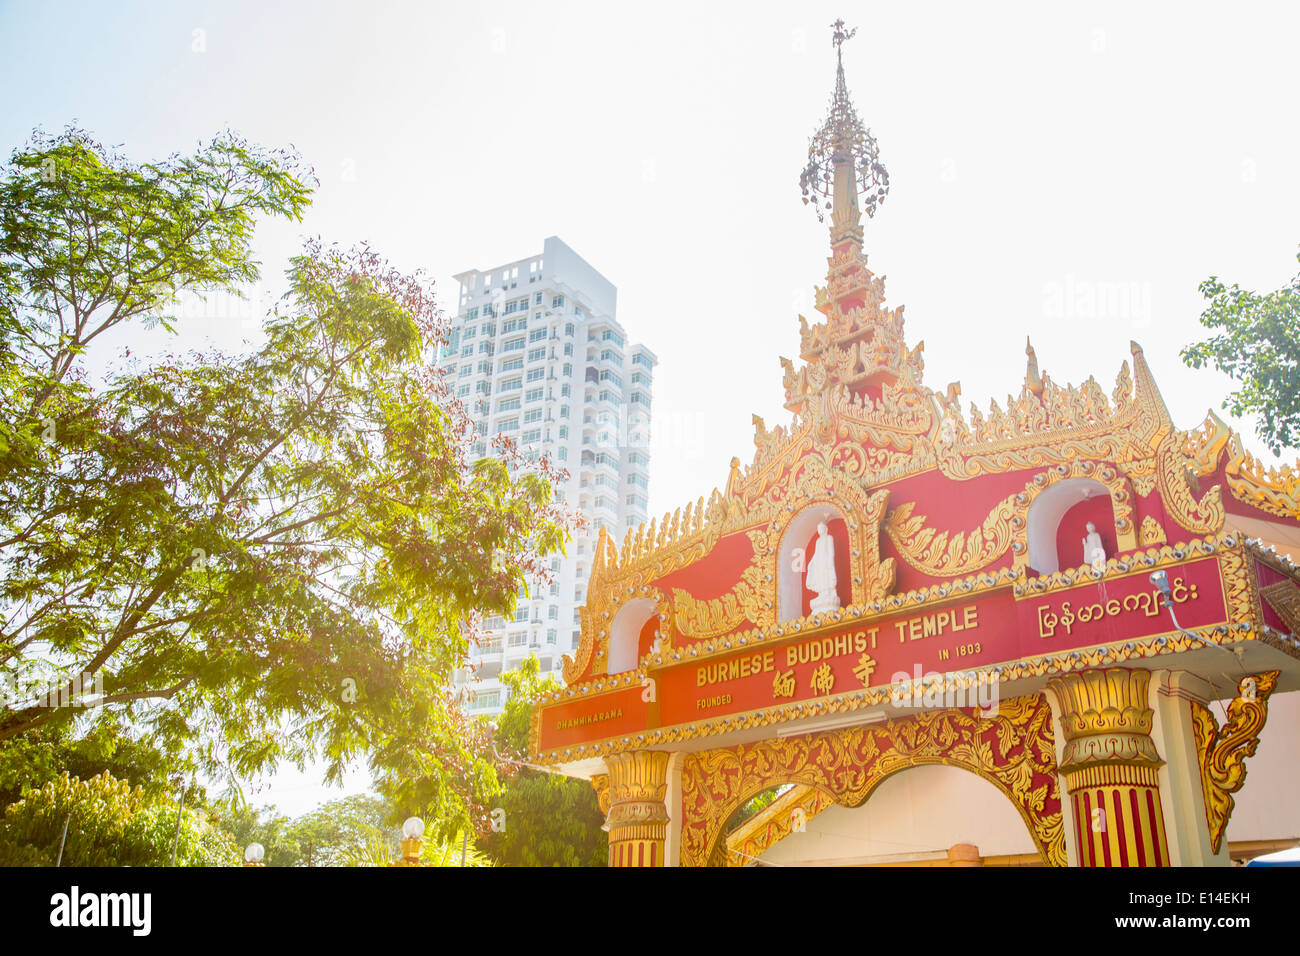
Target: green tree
[(247, 825), (109, 823), (1258, 344), (31, 760), (550, 820), (270, 556)]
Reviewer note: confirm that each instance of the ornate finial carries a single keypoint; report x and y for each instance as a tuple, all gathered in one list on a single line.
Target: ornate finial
[(840, 35), (1033, 380), (843, 159)]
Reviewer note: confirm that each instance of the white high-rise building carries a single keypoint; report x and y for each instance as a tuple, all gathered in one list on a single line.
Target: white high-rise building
[(536, 353)]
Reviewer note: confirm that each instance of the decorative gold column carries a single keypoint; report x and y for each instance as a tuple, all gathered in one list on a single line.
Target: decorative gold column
[(637, 819), (1110, 767)]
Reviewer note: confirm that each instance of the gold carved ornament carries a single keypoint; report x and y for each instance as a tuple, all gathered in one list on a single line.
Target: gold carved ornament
[(1223, 750), (1013, 750), (600, 783), (750, 599), (788, 813), (1204, 515), (1151, 533), (1284, 598), (933, 552), (1273, 489)]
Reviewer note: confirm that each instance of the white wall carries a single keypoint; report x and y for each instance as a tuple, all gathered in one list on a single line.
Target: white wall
[(914, 813), (1268, 805)]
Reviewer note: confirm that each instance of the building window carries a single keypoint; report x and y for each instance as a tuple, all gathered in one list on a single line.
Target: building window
[(557, 302), (640, 398), (536, 355), (463, 391), (564, 432), (642, 359), (509, 425), (512, 384), (532, 395), (639, 480), (564, 411), (531, 436), (607, 376), (508, 404), (553, 613), (466, 371), (467, 351), (536, 375), (536, 335), (568, 369), (470, 316), (537, 299), (514, 345), (469, 333), (532, 415), (564, 454), (611, 336), (511, 364)]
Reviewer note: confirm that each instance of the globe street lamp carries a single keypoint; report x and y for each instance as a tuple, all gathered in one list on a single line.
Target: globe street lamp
[(412, 841)]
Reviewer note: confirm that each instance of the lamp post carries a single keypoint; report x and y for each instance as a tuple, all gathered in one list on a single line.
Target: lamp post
[(253, 854), (412, 842), (1161, 580)]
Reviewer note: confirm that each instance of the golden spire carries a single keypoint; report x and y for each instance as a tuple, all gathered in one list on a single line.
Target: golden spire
[(844, 165)]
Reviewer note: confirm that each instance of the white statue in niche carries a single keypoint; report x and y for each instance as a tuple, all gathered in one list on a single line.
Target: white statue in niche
[(1094, 552), (820, 577)]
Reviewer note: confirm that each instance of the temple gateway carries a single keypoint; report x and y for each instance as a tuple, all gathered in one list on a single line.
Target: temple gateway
[(1053, 633)]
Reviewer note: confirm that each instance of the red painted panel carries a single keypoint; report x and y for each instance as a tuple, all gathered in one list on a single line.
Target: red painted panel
[(569, 722), (716, 573)]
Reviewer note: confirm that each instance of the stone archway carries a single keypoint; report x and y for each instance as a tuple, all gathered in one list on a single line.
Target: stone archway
[(1013, 750)]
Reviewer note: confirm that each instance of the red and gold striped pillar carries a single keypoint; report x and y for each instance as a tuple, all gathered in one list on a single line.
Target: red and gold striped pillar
[(637, 819), (1109, 766)]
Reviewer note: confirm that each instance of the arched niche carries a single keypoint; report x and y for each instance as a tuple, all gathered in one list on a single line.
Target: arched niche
[(631, 633), (796, 551), (1052, 516), (918, 811)]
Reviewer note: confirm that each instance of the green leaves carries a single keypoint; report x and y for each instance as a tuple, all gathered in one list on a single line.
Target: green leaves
[(109, 823), (549, 820), (1258, 344), (272, 556)]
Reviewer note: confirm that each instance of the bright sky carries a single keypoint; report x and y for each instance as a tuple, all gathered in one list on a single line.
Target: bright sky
[(1070, 174)]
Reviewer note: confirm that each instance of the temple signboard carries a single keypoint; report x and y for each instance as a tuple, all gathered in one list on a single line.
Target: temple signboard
[(972, 635)]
